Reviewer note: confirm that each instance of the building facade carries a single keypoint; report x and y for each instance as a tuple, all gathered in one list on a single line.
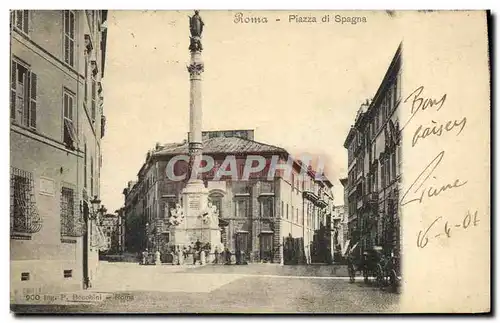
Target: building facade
[(374, 160), (344, 222), (283, 220), (113, 229), (338, 228), (57, 122)]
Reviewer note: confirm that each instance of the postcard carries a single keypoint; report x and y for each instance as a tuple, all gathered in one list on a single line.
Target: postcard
[(235, 161)]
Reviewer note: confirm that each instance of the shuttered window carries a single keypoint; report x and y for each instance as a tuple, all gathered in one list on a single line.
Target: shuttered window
[(23, 95), (69, 37), (69, 132), (21, 20)]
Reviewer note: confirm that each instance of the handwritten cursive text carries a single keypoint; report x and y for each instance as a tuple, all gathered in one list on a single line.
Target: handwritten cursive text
[(429, 191), (421, 103), (437, 130)]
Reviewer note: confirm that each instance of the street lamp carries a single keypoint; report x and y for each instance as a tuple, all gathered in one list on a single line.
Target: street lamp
[(95, 207), (96, 210)]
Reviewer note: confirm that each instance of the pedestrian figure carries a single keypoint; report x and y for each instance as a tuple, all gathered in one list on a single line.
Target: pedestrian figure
[(243, 260), (238, 257), (203, 256), (216, 255), (180, 257), (350, 266), (145, 256), (228, 256), (157, 258), (195, 255)]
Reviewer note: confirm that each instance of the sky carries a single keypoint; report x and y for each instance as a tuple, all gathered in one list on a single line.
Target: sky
[(298, 85)]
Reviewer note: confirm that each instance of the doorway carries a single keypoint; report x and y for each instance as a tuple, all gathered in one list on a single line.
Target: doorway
[(266, 246), (242, 246)]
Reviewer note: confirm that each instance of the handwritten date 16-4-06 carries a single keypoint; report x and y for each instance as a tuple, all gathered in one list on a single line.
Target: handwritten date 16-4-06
[(469, 220)]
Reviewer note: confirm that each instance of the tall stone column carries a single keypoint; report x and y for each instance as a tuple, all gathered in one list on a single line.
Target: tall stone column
[(200, 220), (195, 70)]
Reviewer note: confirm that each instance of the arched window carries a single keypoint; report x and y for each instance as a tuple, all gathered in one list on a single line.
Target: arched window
[(216, 199)]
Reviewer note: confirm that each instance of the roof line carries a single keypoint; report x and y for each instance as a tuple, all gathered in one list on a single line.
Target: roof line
[(257, 142)]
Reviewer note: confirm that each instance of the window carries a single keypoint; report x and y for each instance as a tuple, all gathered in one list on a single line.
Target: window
[(23, 213), (169, 205), (387, 171), (282, 209), (92, 20), (398, 87), (297, 215), (381, 116), (86, 71), (267, 187), (69, 37), (306, 207), (21, 20), (23, 86), (94, 99), (267, 207), (91, 176), (399, 158), (393, 94), (393, 162), (382, 173), (68, 219), (69, 134), (383, 109), (85, 165), (241, 187), (241, 208), (217, 201), (376, 121), (287, 211)]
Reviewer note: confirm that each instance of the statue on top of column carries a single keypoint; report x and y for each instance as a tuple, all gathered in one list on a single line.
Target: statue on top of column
[(196, 28)]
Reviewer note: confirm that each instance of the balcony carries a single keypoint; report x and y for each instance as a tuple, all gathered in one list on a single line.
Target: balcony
[(321, 203), (309, 195)]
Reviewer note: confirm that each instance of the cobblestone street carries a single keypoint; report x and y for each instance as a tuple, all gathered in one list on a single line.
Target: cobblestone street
[(259, 288)]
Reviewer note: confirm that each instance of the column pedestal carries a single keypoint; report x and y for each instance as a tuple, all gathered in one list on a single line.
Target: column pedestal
[(195, 204)]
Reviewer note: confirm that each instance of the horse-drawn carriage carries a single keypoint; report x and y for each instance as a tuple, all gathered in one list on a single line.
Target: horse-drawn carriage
[(376, 265), (381, 267)]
